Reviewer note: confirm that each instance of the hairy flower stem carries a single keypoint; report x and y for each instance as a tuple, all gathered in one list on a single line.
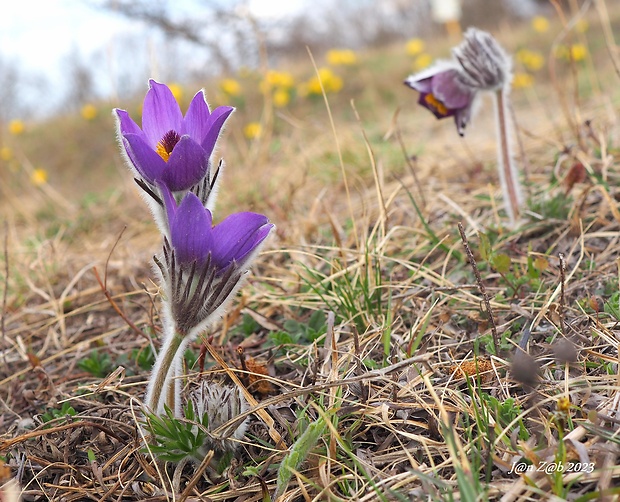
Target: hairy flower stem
[(164, 370), (507, 170)]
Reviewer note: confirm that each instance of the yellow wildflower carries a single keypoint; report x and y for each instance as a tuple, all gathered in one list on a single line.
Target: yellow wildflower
[(575, 52), (282, 79), (335, 84), (331, 82), (317, 85), (177, 91), (230, 86), (521, 80), (314, 86), (341, 57), (38, 177), (414, 46), (531, 60), (578, 52), (563, 404), (252, 130), (88, 112), (6, 153), (16, 127), (281, 98), (422, 61), (540, 24)]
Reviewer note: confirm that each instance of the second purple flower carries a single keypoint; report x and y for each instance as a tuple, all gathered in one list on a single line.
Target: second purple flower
[(194, 238)]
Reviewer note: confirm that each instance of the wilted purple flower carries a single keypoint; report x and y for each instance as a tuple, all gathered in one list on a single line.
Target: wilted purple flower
[(169, 148), (204, 264), (450, 88), (443, 92)]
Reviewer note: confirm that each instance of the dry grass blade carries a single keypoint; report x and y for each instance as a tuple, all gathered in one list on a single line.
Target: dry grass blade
[(481, 288)]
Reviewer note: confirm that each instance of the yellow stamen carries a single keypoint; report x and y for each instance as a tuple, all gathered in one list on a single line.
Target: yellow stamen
[(166, 144), (437, 105), (162, 152)]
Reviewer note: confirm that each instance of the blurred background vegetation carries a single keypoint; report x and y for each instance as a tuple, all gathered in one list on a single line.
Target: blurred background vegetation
[(274, 69)]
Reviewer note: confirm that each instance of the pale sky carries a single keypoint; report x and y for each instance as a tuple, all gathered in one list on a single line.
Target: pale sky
[(38, 34)]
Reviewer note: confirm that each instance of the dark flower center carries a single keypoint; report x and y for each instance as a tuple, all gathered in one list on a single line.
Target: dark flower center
[(167, 143)]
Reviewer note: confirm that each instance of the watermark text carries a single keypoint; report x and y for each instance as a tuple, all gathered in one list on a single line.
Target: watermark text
[(551, 467)]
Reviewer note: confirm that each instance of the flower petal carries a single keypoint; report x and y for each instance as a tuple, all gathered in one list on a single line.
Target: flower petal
[(422, 81), (423, 85), (190, 230), (126, 124), (187, 165), (462, 118), (448, 89), (160, 113), (214, 126), (170, 204), (146, 161), (237, 236), (196, 118)]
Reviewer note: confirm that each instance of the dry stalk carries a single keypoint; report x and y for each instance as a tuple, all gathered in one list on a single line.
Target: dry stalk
[(562, 292), (481, 288)]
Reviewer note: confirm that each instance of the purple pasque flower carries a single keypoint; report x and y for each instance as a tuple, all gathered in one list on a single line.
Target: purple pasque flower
[(443, 92), (203, 265), (171, 149), (195, 239)]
